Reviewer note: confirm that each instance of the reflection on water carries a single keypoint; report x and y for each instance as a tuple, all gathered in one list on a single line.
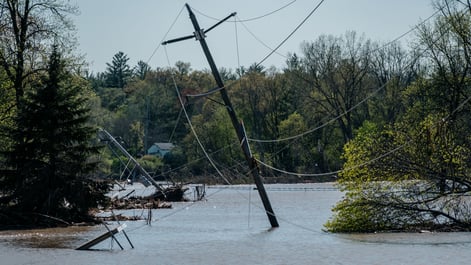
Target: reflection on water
[(230, 227), (426, 238)]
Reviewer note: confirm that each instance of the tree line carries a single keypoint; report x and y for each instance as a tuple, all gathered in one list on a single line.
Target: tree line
[(319, 96)]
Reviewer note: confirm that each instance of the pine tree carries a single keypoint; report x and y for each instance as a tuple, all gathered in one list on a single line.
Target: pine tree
[(118, 72), (51, 163)]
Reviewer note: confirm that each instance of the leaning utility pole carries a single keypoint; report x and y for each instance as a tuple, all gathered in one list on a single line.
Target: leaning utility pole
[(199, 35)]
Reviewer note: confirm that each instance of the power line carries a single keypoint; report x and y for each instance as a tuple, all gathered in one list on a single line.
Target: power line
[(191, 124), (249, 19), (407, 32), (176, 125), (296, 173), (367, 162), (213, 164), (217, 170), (339, 116), (379, 48), (259, 40), (322, 125), (165, 36), (362, 101), (275, 51), (291, 34), (290, 138), (461, 105)]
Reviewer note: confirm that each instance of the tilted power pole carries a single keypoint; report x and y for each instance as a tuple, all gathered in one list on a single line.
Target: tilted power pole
[(199, 35)]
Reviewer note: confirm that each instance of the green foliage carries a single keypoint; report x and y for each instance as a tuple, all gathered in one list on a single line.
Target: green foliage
[(297, 154), (53, 153), (27, 30), (405, 177), (118, 71), (176, 158), (151, 163), (410, 176), (141, 70), (218, 137), (356, 215), (336, 73), (112, 99), (414, 173), (7, 109)]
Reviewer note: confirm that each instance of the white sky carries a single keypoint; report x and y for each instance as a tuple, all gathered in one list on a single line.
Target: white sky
[(136, 27)]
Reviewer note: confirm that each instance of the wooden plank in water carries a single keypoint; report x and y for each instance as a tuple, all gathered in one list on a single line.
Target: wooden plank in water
[(101, 238)]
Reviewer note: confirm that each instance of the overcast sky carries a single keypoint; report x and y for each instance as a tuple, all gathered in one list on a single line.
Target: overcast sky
[(105, 27)]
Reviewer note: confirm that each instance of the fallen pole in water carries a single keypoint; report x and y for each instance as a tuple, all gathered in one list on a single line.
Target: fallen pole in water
[(103, 237)]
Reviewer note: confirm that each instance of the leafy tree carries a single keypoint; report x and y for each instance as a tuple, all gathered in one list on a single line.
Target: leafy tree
[(154, 106), (151, 164), (26, 29), (393, 70), (256, 68), (141, 70), (326, 85), (336, 70), (415, 173), (182, 68), (118, 71), (296, 152), (111, 98), (264, 100), (176, 158), (136, 136), (50, 168), (217, 135)]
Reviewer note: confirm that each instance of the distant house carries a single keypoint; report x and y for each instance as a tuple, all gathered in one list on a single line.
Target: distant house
[(160, 149)]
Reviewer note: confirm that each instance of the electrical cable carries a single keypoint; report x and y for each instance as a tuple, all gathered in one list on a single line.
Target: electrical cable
[(236, 33), (291, 34), (176, 125), (197, 137), (461, 105), (165, 36), (335, 118), (322, 125), (259, 40), (186, 114), (360, 102), (407, 32), (249, 19), (191, 125)]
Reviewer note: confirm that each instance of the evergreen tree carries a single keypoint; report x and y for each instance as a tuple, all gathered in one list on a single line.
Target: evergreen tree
[(50, 162), (118, 72)]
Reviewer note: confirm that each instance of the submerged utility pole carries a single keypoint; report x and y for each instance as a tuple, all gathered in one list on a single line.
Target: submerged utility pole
[(199, 35)]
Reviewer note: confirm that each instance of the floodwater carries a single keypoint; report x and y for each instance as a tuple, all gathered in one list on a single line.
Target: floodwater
[(230, 227)]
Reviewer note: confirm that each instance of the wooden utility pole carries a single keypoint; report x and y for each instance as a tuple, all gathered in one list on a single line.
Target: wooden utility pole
[(200, 35)]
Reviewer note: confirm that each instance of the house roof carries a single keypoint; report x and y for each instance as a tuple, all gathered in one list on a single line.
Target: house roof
[(164, 146)]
